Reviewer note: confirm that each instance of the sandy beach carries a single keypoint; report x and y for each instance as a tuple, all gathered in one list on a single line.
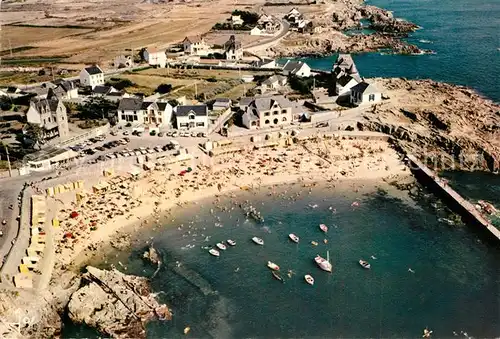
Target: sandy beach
[(149, 200)]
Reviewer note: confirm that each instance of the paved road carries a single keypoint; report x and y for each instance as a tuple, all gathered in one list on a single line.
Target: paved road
[(260, 45)]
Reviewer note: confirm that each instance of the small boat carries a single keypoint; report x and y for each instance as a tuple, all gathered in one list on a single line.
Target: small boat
[(277, 276), (323, 263), (231, 242), (273, 266), (364, 264), (221, 246), (309, 279), (323, 227), (258, 241), (293, 238), (314, 243), (214, 252)]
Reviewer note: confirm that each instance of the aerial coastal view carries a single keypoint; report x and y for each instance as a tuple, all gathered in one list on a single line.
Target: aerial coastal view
[(250, 169)]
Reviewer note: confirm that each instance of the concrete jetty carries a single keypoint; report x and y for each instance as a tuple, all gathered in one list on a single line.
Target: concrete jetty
[(460, 205)]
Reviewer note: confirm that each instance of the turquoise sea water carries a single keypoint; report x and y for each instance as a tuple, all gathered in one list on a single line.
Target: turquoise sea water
[(465, 34), (454, 286)]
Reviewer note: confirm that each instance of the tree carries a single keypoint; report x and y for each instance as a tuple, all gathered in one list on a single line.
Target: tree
[(35, 133), (97, 108), (173, 102), (163, 88), (5, 103)]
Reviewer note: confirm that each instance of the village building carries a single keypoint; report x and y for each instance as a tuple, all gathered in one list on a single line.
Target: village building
[(293, 17), (274, 82), (256, 31), (103, 90), (139, 112), (64, 90), (92, 76), (195, 46), (50, 114), (233, 49), (191, 117), (344, 84), (155, 56), (221, 104), (49, 158), (268, 111), (297, 68), (236, 20), (123, 61), (365, 93), (264, 63), (344, 64)]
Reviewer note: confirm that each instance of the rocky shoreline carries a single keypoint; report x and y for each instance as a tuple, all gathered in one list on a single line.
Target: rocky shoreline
[(345, 15)]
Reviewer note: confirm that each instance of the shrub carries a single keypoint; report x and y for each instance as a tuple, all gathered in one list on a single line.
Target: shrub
[(163, 88)]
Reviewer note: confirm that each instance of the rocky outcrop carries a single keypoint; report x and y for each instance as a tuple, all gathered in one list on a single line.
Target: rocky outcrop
[(115, 304), (383, 21), (152, 255), (444, 125)]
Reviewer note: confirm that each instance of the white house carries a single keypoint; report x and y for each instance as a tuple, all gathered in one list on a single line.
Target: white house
[(123, 61), (344, 84), (64, 90), (221, 104), (191, 117), (195, 46), (155, 56), (237, 20), (92, 76), (365, 93), (297, 68), (273, 83), (50, 114), (103, 90), (264, 63), (233, 49), (267, 112), (150, 113), (256, 31)]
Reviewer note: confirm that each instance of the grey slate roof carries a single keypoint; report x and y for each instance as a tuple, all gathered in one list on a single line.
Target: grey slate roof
[(92, 70), (102, 90), (344, 79), (266, 103), (364, 87), (45, 104), (162, 105), (130, 104), (293, 66), (198, 110), (232, 44)]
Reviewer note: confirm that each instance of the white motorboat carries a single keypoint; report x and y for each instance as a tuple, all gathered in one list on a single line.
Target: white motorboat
[(214, 252), (364, 264), (323, 227), (323, 263), (273, 266), (293, 238), (231, 242), (221, 246), (309, 279), (258, 241)]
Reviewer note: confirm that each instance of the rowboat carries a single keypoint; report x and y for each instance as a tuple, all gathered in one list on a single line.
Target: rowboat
[(221, 246), (273, 266), (309, 279), (323, 227), (277, 276), (293, 238), (364, 264), (214, 252), (258, 241)]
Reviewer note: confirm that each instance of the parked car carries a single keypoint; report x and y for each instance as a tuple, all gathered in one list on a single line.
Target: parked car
[(150, 150), (158, 149), (139, 134), (175, 134), (100, 148), (113, 133), (101, 158), (134, 132), (127, 139), (126, 132), (90, 151), (169, 133), (161, 134)]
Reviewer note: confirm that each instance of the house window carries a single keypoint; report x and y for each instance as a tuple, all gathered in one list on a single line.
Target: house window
[(146, 119), (135, 118), (284, 119), (200, 124), (283, 111), (276, 112), (123, 117), (267, 122), (267, 114), (371, 97), (159, 120), (184, 124), (275, 121), (191, 117), (254, 123)]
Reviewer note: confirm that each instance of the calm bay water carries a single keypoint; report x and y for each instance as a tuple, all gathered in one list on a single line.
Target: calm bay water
[(454, 286), (465, 34)]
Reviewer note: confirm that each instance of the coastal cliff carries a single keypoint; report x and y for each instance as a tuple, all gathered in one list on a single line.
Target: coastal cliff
[(116, 304), (445, 125)]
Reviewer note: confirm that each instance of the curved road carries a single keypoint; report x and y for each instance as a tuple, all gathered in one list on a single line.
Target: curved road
[(252, 48)]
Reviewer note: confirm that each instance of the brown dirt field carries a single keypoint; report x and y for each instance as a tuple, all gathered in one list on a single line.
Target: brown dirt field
[(151, 81), (33, 36), (196, 73)]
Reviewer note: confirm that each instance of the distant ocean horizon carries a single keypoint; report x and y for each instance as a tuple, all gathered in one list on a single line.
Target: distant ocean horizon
[(464, 34)]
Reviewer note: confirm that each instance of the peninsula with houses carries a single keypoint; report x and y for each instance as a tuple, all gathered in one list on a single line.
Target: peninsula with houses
[(122, 122)]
